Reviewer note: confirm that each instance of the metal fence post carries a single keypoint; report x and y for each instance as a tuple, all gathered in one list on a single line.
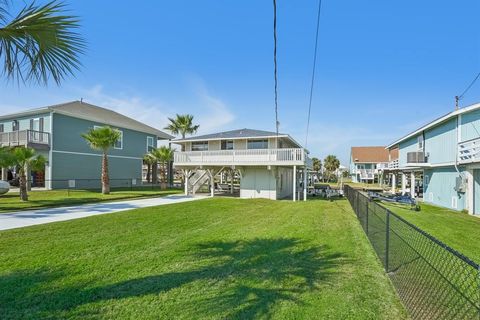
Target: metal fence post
[(366, 218), (356, 204), (387, 240)]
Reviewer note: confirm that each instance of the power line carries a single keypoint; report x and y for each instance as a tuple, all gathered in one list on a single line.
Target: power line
[(275, 62), (313, 70), (460, 97)]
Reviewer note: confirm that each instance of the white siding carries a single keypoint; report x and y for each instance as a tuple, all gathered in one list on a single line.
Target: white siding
[(284, 183), (240, 144), (258, 182), (214, 145)]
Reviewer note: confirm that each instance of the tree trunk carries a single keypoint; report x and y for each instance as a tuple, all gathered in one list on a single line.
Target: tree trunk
[(105, 178), (163, 172), (149, 168), (23, 185)]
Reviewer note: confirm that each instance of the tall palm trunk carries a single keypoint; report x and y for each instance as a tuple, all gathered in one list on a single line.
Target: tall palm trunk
[(149, 170), (23, 185), (163, 185), (105, 178)]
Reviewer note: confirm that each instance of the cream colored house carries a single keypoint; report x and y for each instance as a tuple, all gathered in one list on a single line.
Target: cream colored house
[(268, 165)]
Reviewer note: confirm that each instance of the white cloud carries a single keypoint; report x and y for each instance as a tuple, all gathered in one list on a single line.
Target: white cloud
[(210, 112)]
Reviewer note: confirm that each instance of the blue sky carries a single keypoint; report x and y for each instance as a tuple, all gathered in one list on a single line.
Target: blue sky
[(384, 67)]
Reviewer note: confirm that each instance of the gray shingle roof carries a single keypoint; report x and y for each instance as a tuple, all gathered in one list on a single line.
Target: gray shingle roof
[(234, 134), (237, 134), (91, 112)]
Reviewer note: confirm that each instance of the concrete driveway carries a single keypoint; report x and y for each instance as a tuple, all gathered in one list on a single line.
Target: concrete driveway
[(40, 216)]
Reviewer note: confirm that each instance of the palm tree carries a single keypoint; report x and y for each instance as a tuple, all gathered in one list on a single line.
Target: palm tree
[(182, 124), (39, 43), (26, 159), (102, 139), (6, 158), (149, 161), (162, 155), (331, 164), (317, 166)]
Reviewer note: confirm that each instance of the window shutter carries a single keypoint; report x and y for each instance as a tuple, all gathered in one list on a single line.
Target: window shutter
[(31, 124), (40, 125)]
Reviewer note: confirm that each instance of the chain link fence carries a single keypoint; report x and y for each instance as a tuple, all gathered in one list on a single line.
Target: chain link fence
[(433, 280)]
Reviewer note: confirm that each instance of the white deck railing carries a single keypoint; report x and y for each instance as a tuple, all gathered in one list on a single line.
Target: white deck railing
[(469, 151), (24, 138), (393, 164), (290, 156), (366, 173)]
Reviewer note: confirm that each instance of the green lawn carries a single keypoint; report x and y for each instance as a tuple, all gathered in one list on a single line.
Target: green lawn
[(209, 259), (457, 229), (56, 198)]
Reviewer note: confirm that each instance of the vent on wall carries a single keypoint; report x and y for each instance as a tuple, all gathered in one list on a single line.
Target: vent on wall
[(454, 202)]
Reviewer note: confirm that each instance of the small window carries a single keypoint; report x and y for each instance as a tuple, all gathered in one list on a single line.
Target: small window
[(420, 142), (200, 146), (15, 126), (119, 143), (257, 144), (2, 129), (150, 144), (227, 144)]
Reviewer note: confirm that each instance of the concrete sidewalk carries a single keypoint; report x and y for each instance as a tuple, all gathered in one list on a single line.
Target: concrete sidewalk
[(40, 216)]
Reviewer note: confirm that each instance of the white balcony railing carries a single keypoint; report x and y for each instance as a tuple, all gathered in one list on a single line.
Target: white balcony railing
[(393, 164), (366, 173), (287, 156), (469, 151), (24, 138)]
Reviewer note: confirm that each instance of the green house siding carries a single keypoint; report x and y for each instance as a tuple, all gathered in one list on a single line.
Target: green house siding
[(86, 170), (67, 137), (73, 159), (440, 188), (441, 142)]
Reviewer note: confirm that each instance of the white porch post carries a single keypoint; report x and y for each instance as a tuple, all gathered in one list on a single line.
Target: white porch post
[(212, 183), (394, 182), (186, 173), (305, 184), (232, 174), (294, 183), (412, 184), (470, 191), (404, 182)]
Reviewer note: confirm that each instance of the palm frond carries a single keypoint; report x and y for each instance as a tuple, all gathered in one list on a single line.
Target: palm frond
[(40, 43), (102, 138)]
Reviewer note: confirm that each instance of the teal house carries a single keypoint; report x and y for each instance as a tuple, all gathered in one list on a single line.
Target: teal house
[(55, 132), (441, 161)]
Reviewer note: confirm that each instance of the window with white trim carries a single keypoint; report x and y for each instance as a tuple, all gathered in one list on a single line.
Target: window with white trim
[(200, 146), (420, 142), (227, 145), (150, 144), (119, 143), (257, 144)]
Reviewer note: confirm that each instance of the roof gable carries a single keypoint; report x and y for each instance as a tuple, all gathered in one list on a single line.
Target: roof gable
[(82, 110), (377, 154)]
